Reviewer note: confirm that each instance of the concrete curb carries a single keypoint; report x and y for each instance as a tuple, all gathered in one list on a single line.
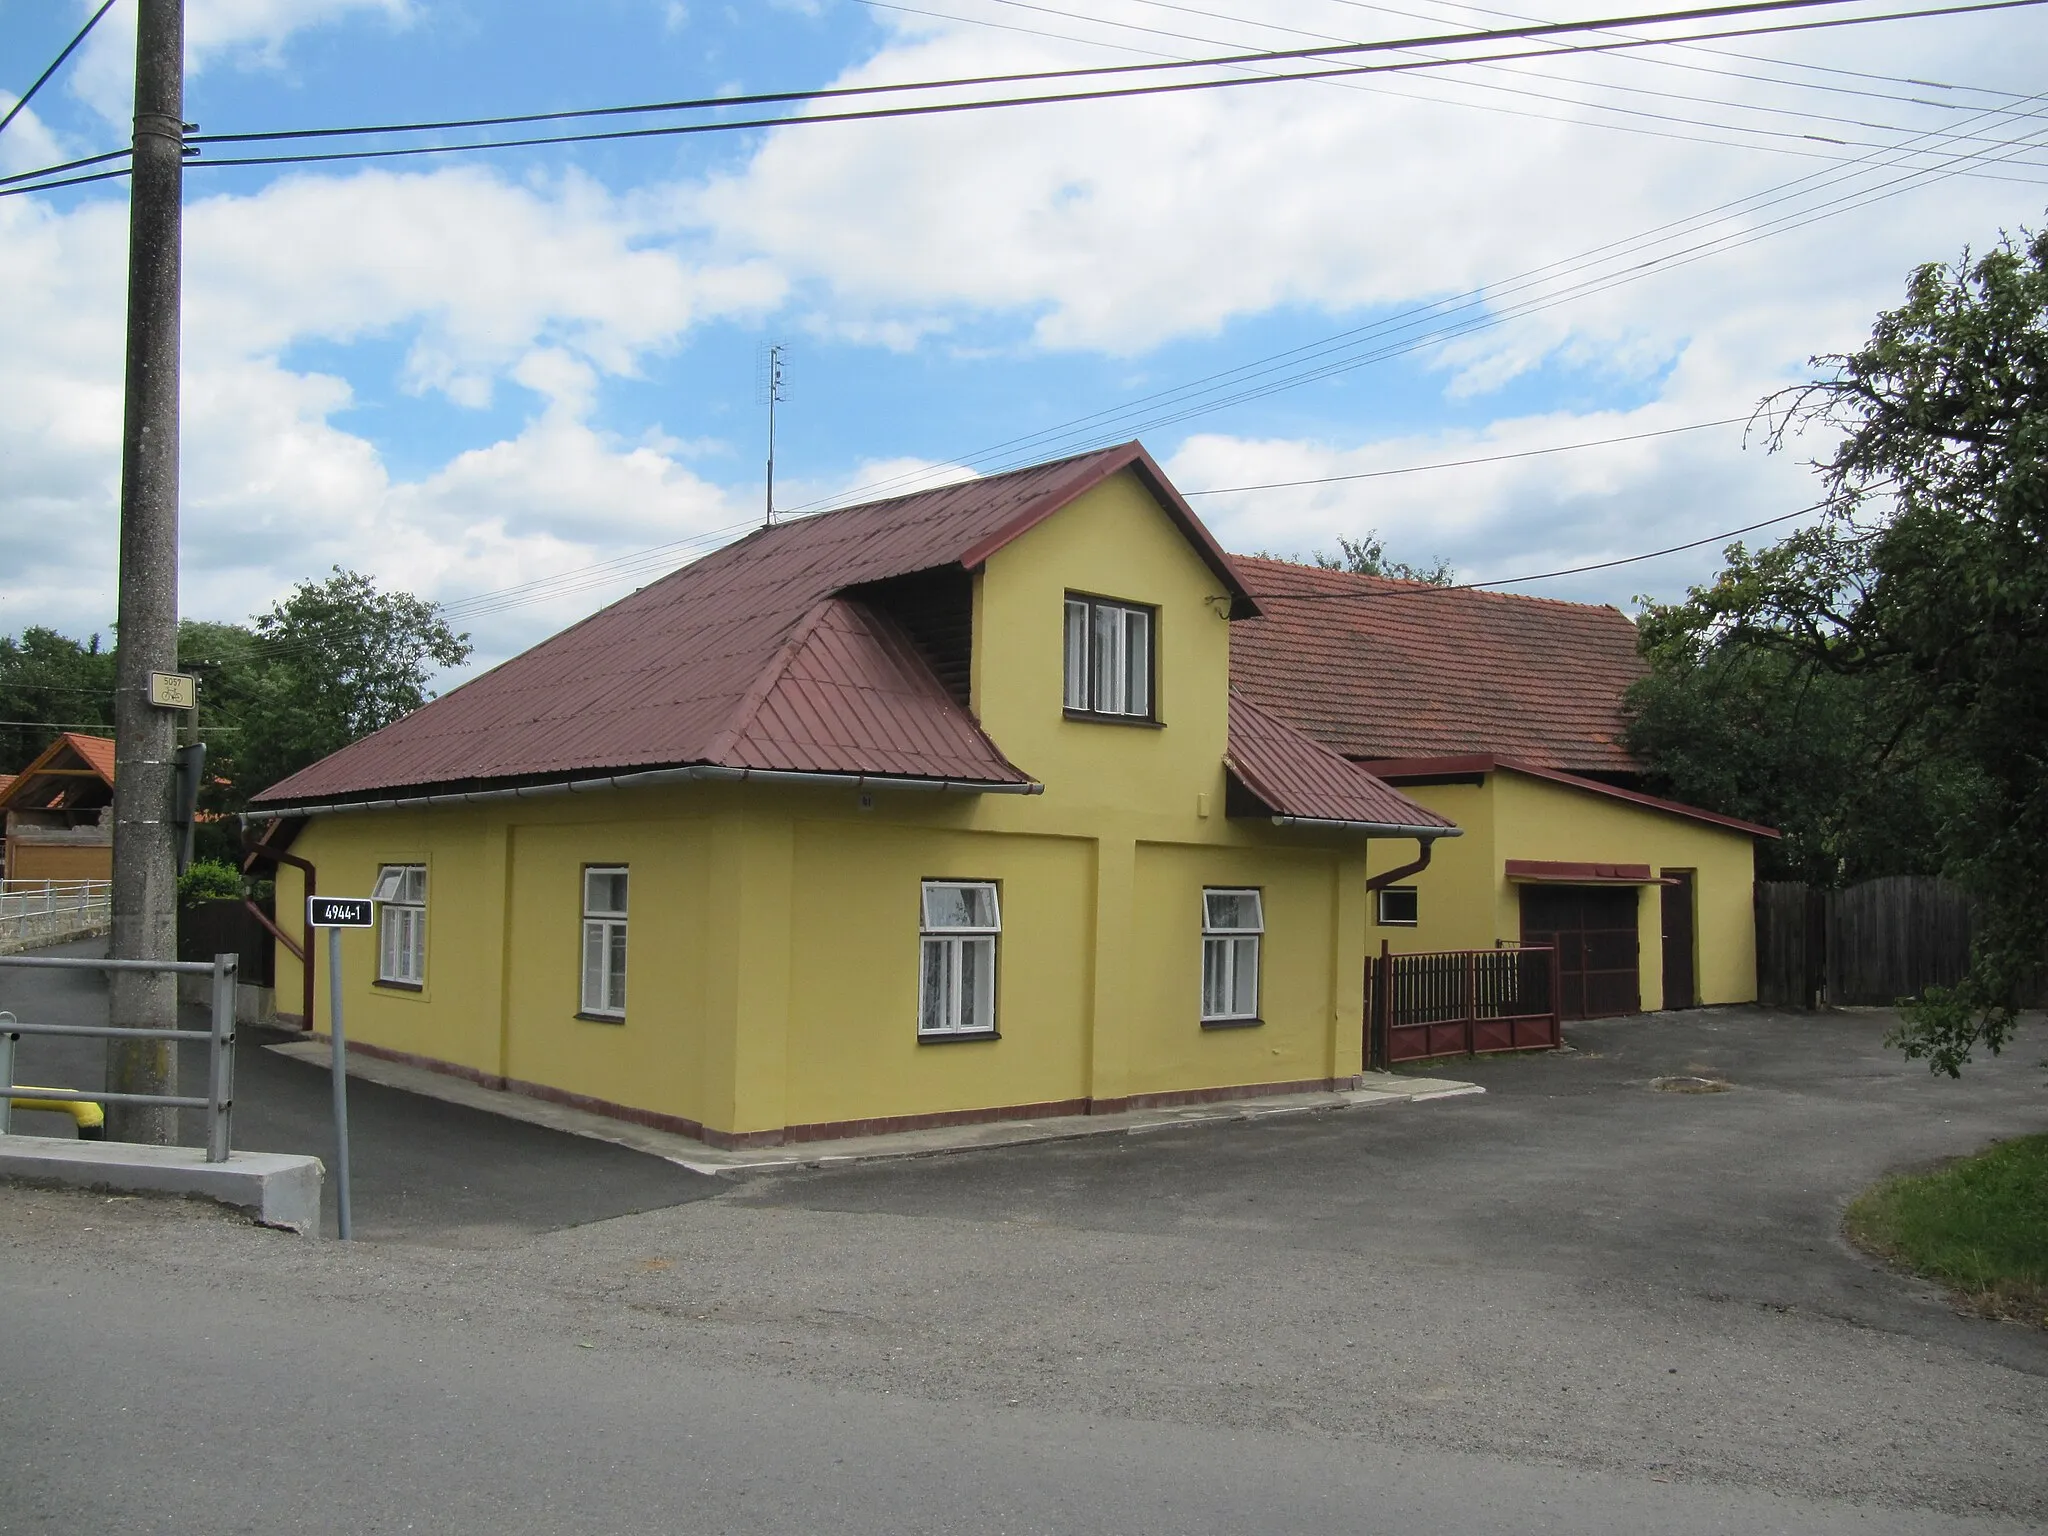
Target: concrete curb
[(1374, 1089), (274, 1189)]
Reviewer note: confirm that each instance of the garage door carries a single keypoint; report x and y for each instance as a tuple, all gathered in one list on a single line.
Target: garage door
[(1593, 928)]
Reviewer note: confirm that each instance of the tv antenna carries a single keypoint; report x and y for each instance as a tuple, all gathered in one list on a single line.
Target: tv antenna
[(772, 392)]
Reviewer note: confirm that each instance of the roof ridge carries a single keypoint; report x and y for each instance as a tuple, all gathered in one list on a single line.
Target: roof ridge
[(764, 682), (1323, 571)]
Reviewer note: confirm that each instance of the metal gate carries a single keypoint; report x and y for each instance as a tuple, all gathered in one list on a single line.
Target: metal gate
[(1460, 1002), (1593, 930)]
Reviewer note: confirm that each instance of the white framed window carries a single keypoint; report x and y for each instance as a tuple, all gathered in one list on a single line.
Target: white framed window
[(1108, 658), (401, 895), (1233, 922), (1399, 907), (604, 941), (960, 923)]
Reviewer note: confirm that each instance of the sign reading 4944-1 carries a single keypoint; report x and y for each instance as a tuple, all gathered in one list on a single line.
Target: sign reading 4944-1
[(339, 911)]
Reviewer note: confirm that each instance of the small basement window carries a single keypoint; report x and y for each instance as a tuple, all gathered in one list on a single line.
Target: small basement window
[(957, 994), (1108, 659), (401, 895), (1399, 906), (1232, 923), (604, 941)]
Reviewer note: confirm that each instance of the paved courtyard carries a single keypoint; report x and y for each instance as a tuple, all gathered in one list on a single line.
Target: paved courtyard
[(1573, 1303)]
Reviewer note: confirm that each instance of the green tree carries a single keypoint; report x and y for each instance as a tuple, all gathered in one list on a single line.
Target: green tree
[(49, 682), (333, 662), (1927, 580), (1367, 556)]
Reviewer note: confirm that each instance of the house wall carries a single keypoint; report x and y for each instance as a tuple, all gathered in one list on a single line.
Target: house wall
[(1466, 900), (773, 940)]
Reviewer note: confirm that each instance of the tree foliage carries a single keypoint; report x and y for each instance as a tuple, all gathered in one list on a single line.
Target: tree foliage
[(49, 682), (333, 661), (1922, 594), (1367, 556)]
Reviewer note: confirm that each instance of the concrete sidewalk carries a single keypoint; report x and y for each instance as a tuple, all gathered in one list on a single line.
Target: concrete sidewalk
[(1376, 1089)]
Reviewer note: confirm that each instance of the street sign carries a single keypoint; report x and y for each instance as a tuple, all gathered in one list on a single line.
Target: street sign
[(172, 690), (340, 911)]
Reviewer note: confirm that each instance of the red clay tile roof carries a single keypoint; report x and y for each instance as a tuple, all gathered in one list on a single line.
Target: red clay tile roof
[(745, 659), (1294, 776), (97, 751), (1378, 668), (24, 790)]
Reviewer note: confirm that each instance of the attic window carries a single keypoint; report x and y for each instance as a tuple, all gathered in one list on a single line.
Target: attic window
[(1108, 659)]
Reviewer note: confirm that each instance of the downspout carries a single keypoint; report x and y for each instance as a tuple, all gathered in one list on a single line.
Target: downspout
[(259, 850), (1377, 882)]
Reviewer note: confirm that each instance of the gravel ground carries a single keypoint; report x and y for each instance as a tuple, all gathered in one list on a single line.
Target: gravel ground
[(1573, 1270)]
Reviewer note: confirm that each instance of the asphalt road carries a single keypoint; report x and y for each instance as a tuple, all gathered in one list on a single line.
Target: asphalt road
[(1572, 1304), (419, 1168)]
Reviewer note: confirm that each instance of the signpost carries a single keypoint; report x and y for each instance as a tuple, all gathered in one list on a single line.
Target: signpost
[(335, 913)]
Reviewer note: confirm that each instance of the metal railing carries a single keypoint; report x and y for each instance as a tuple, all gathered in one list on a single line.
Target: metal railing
[(1461, 1002), (44, 898), (220, 1075)]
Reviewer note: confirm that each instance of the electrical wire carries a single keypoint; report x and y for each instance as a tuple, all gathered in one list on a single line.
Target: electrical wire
[(55, 65), (12, 185), (1428, 589), (1491, 458)]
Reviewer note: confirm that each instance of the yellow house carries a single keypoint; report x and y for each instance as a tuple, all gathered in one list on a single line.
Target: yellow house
[(939, 808), (1503, 713)]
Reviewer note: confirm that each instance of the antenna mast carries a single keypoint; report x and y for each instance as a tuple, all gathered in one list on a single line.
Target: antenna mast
[(771, 380)]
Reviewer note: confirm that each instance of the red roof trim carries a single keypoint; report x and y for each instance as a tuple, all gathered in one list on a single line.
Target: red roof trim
[(1094, 472), (1556, 872), (1395, 769)]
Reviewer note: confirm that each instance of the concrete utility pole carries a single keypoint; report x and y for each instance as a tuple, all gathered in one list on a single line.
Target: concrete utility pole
[(145, 842)]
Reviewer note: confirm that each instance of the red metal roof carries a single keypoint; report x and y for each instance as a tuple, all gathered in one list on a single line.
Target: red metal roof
[(745, 658), (1378, 668), (1294, 776), (1560, 872)]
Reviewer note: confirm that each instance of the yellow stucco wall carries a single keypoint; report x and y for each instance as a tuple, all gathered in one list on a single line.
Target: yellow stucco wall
[(773, 937), (1467, 901)]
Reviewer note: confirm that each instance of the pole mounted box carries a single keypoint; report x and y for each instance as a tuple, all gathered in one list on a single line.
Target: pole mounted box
[(340, 911)]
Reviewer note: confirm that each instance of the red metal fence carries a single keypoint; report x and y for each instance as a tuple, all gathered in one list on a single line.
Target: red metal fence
[(1461, 1002)]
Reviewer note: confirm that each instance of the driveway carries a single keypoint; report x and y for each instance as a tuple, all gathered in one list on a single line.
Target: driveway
[(1572, 1304), (419, 1168)]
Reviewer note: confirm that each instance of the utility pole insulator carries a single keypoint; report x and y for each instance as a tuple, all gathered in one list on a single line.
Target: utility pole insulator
[(145, 916)]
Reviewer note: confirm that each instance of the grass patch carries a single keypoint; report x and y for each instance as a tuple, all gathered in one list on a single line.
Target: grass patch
[(1979, 1225)]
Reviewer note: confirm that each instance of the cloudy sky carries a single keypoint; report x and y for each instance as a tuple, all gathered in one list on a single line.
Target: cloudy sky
[(524, 381)]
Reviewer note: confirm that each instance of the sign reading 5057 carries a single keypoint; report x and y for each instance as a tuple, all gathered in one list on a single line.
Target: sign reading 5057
[(339, 911)]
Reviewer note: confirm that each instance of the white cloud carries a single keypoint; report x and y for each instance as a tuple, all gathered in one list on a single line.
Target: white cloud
[(275, 485), (245, 33), (1116, 227)]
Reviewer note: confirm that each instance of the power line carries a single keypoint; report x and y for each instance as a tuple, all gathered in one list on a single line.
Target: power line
[(55, 65), (1491, 458), (1427, 589), (1191, 396), (12, 185)]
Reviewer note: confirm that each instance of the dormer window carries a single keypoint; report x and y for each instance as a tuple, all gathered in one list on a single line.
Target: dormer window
[(1108, 659)]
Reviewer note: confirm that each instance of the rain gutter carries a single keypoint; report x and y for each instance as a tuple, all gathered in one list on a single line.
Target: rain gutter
[(696, 772), (1370, 828)]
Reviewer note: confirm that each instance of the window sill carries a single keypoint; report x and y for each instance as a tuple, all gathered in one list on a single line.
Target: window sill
[(1089, 717), (400, 986), (963, 1038), (1232, 1023), (602, 1018), (1397, 925)]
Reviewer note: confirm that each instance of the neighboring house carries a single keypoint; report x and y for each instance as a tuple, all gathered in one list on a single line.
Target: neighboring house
[(1504, 713), (58, 813), (934, 809)]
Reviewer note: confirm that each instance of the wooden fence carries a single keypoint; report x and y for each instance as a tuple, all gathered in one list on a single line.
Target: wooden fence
[(226, 927), (1873, 943), (1460, 1002)]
